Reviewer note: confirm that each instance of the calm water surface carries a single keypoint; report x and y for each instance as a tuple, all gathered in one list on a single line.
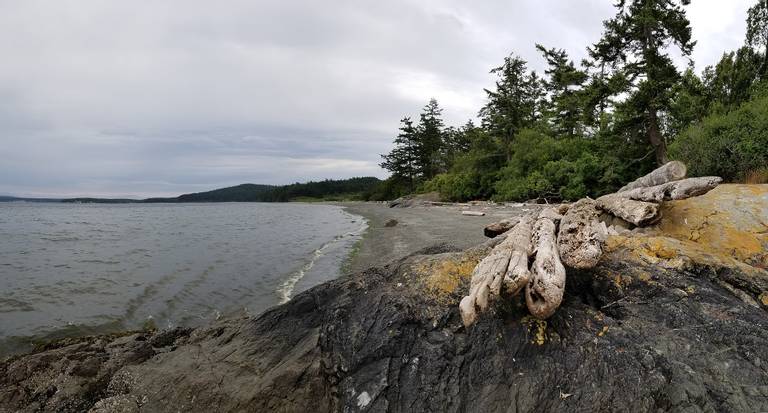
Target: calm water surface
[(75, 269)]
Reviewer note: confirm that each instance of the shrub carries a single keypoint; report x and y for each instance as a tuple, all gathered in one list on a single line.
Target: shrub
[(730, 145)]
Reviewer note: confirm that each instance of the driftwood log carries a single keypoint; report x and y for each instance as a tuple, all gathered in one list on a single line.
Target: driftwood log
[(569, 235), (671, 171), (498, 228), (544, 291), (580, 240)]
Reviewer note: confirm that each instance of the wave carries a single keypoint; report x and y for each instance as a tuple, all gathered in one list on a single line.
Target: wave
[(285, 291)]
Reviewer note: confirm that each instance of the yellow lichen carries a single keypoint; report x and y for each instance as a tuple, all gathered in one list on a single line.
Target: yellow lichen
[(537, 328), (764, 298), (603, 331), (443, 275)]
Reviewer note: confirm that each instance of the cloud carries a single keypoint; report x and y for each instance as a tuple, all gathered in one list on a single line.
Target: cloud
[(158, 98)]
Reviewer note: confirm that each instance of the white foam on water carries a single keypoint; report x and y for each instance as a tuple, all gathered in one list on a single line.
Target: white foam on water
[(285, 291)]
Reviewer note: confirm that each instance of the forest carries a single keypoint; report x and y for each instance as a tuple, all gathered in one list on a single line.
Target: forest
[(583, 129)]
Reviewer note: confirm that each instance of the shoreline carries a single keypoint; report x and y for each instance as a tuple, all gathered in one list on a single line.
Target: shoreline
[(394, 233)]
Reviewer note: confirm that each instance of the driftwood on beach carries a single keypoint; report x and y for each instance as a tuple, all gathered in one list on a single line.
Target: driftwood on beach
[(569, 236)]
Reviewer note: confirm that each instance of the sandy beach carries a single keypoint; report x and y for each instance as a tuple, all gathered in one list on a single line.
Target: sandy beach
[(419, 227)]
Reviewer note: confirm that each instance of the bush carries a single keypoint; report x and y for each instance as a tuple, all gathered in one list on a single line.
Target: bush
[(730, 145)]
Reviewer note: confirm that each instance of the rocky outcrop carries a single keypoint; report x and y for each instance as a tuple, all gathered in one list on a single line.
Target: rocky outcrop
[(670, 319)]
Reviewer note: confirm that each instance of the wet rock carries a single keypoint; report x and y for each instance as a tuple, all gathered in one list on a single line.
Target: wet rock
[(662, 323)]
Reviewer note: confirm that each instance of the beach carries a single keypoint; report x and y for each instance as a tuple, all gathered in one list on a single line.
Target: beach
[(419, 227)]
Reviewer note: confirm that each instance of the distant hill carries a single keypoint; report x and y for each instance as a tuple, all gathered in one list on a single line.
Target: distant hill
[(4, 198), (239, 193), (327, 190)]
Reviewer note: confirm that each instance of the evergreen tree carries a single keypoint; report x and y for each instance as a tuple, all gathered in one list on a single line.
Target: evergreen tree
[(563, 86), (430, 134), (634, 45), (757, 32), (515, 104), (729, 82), (402, 161)]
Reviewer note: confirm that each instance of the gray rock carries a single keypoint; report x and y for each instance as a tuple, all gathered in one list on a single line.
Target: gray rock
[(391, 339)]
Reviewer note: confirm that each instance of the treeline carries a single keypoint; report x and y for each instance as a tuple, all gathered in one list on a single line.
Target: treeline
[(327, 190), (586, 129)]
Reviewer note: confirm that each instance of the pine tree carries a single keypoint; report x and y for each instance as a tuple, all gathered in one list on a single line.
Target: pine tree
[(634, 45), (430, 134), (402, 161), (757, 32), (564, 107), (515, 104)]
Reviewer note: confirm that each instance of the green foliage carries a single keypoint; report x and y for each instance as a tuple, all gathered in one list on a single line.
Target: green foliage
[(634, 44), (729, 145), (586, 131), (345, 189)]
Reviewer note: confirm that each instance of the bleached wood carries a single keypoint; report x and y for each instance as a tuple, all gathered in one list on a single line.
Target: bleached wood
[(498, 228), (579, 239), (544, 292), (638, 213), (473, 213), (517, 274), (675, 190), (670, 171)]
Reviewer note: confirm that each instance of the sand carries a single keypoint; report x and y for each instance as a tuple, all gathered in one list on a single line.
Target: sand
[(420, 227)]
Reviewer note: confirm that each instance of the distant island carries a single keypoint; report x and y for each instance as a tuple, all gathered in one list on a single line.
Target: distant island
[(358, 188)]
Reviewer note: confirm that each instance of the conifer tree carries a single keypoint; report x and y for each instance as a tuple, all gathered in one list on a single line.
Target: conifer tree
[(402, 161), (634, 44), (430, 137), (515, 104), (563, 86)]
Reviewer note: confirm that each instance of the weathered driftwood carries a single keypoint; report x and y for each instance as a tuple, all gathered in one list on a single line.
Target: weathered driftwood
[(506, 265), (473, 213), (498, 228), (584, 226), (518, 275), (671, 171), (544, 291), (675, 190), (638, 213), (486, 281), (580, 240)]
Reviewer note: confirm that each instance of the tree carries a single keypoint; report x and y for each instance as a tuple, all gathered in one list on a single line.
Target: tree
[(563, 86), (430, 134), (729, 82), (514, 104), (757, 32), (634, 44), (402, 161)]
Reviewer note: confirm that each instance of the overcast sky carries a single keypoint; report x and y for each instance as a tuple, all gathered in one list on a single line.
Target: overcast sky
[(152, 98)]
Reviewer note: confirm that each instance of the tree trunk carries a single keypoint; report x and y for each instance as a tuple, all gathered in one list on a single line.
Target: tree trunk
[(637, 212), (674, 190), (671, 171), (544, 292), (518, 275), (579, 242), (654, 136), (498, 228)]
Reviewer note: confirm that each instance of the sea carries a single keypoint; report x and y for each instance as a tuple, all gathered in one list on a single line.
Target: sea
[(79, 269)]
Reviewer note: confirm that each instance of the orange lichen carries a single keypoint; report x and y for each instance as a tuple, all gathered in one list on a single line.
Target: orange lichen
[(726, 221), (443, 275), (764, 298)]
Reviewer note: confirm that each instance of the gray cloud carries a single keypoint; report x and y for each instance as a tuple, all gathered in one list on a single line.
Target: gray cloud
[(147, 98)]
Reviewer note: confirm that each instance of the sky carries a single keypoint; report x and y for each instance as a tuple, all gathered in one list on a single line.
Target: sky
[(148, 98)]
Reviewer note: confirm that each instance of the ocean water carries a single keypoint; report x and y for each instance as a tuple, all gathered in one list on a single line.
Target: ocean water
[(77, 269)]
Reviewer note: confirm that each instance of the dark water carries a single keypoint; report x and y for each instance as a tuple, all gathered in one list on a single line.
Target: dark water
[(69, 269)]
